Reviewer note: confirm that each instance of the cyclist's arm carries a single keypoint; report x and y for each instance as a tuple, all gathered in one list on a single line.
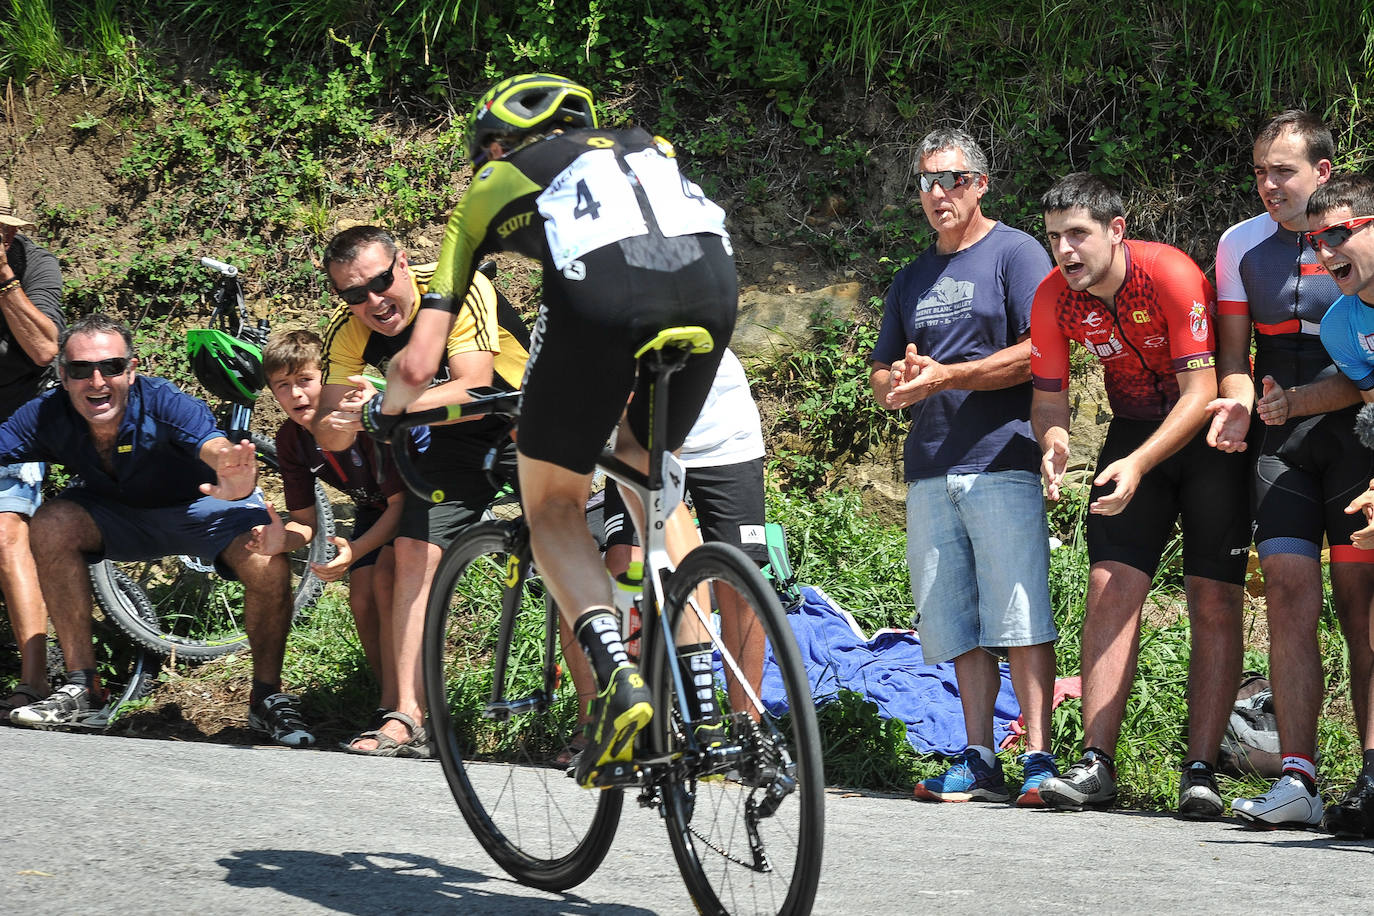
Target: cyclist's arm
[(383, 530), (473, 369), (412, 369), (1322, 396)]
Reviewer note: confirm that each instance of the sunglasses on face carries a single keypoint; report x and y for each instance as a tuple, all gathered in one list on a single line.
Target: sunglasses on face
[(1337, 234), (357, 295), (109, 368), (949, 180)]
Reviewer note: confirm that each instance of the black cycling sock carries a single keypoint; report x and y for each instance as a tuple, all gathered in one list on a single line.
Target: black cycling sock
[(1206, 763), (1101, 755), (598, 631), (84, 677), (261, 691), (699, 677)]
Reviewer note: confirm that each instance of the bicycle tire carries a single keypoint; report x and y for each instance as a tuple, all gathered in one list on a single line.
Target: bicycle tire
[(197, 614), (531, 817), (729, 864)]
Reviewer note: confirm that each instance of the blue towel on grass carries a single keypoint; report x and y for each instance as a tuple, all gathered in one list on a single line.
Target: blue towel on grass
[(888, 669)]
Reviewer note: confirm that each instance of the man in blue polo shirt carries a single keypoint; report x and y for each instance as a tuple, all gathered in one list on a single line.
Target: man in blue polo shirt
[(153, 476)]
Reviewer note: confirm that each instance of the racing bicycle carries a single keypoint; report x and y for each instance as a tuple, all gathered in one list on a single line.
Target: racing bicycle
[(745, 814)]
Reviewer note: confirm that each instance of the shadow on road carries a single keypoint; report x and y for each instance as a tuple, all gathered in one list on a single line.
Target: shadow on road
[(374, 882)]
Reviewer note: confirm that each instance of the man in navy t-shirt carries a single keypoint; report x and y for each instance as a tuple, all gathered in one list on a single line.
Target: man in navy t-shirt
[(152, 477), (954, 352)]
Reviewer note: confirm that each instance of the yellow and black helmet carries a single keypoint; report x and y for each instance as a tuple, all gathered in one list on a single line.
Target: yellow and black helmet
[(525, 104)]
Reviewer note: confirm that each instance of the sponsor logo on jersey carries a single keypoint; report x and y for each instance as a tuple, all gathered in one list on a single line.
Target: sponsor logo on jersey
[(575, 270), (482, 175), (1105, 349), (1197, 321), (516, 222), (1158, 340), (1092, 319), (1367, 341), (1140, 316)]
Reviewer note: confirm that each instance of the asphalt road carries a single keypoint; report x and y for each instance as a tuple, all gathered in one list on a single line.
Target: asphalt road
[(98, 824)]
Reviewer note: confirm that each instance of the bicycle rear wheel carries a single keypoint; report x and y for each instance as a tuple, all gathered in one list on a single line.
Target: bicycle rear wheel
[(498, 756), (746, 827), (198, 614)]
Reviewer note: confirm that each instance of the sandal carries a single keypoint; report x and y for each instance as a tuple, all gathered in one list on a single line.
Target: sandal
[(374, 722), (416, 746), (21, 695)]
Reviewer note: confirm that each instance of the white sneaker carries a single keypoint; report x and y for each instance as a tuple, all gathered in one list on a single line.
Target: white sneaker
[(1286, 804)]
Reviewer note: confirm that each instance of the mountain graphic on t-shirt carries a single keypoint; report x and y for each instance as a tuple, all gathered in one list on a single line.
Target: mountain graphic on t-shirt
[(948, 298)]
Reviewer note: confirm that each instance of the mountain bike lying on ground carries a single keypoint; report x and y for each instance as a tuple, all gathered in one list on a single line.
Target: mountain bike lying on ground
[(745, 814), (195, 613)]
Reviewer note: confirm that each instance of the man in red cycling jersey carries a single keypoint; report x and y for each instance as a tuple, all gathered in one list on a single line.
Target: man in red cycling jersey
[(1306, 463), (1146, 311)]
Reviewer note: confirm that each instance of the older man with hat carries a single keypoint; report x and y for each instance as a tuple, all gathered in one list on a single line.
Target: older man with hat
[(30, 323)]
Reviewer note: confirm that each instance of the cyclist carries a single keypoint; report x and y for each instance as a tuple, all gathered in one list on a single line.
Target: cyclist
[(628, 247)]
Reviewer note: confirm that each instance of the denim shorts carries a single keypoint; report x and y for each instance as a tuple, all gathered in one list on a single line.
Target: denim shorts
[(202, 529), (17, 496), (979, 556)]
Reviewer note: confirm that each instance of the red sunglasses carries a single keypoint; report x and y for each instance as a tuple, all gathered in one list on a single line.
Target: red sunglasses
[(1337, 234)]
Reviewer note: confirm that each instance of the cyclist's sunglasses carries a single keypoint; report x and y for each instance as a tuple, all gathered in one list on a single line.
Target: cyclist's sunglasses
[(109, 368), (357, 295), (1337, 234), (949, 180)]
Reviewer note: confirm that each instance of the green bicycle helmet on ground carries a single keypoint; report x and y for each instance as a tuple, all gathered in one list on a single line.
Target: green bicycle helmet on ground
[(529, 103), (229, 368)]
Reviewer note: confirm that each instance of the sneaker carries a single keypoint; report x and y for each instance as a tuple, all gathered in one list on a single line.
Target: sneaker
[(1198, 796), (72, 704), (1035, 769), (279, 717), (1089, 783), (1353, 816), (969, 779), (619, 712), (1289, 803)]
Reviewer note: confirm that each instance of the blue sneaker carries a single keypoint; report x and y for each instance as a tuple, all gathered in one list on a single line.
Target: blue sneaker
[(1036, 767), (970, 779)]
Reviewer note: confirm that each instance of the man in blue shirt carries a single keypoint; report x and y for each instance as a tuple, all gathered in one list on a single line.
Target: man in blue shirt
[(1341, 215), (954, 352), (153, 477)]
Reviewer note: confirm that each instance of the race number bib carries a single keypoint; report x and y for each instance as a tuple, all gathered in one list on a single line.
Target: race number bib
[(592, 203)]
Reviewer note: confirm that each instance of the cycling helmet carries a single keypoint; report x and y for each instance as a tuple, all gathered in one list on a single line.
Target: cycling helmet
[(527, 104), (229, 368)]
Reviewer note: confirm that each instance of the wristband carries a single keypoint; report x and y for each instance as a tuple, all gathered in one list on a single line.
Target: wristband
[(5, 288), (377, 424)]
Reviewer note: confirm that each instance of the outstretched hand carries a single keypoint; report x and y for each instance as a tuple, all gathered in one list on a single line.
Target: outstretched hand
[(236, 472), (270, 539), (1274, 408), (1124, 473)]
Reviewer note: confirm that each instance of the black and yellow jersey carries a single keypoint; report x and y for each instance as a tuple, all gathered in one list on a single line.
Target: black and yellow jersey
[(566, 195), (486, 320)]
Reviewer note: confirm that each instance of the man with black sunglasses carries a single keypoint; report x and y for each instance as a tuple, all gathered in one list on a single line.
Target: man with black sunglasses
[(487, 347), (954, 353), (153, 477), (30, 321), (1306, 465), (1343, 208)]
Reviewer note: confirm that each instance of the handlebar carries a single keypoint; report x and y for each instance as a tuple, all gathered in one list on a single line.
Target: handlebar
[(485, 402)]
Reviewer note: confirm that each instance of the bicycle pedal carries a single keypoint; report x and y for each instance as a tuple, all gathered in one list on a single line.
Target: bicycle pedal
[(615, 773)]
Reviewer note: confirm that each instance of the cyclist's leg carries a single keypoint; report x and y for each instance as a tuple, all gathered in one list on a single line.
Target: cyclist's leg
[(267, 610)]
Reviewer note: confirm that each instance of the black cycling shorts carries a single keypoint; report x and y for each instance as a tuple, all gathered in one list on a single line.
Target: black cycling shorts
[(1204, 489), (1305, 473), (728, 500), (454, 461), (595, 316)]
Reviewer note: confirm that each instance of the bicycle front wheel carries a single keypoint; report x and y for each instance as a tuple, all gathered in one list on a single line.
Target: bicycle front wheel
[(197, 613), (747, 826), (503, 707)]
